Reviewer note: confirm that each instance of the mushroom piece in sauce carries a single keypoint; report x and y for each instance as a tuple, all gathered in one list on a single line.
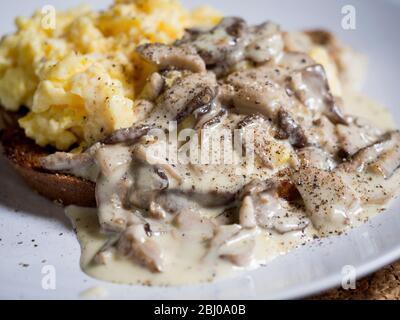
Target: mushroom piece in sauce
[(137, 245), (312, 87), (289, 129), (330, 202), (382, 153), (262, 206), (167, 57)]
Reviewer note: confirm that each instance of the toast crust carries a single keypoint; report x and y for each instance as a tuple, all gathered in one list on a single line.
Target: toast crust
[(24, 154)]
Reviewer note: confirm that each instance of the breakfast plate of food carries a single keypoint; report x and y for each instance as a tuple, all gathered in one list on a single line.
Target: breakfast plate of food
[(163, 150)]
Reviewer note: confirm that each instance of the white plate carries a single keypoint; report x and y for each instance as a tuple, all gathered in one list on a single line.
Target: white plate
[(27, 219)]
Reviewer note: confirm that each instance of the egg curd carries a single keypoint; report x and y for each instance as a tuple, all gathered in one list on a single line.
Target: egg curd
[(80, 79)]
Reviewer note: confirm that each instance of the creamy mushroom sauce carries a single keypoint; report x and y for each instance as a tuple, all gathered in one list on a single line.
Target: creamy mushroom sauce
[(322, 163)]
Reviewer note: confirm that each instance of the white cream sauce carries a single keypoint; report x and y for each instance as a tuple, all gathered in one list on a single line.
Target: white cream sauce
[(318, 169), (185, 259)]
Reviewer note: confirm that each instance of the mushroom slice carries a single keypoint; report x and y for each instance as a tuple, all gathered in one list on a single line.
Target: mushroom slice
[(352, 138), (174, 203), (128, 135), (247, 216), (260, 90), (359, 161), (136, 244), (212, 198), (330, 202), (239, 248), (111, 158), (257, 139), (232, 41), (289, 129), (167, 57), (266, 43), (78, 164), (258, 186), (222, 234), (323, 134), (222, 44), (187, 94), (316, 157), (111, 213), (387, 163), (212, 119), (312, 88), (257, 136), (192, 223), (114, 162), (148, 182), (252, 122), (153, 87), (107, 251), (262, 206), (233, 243), (200, 104), (61, 161), (275, 213)]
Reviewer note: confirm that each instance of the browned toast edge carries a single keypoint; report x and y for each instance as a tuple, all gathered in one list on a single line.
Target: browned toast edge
[(23, 153)]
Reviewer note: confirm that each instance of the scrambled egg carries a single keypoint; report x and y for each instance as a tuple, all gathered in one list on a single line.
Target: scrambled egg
[(79, 79)]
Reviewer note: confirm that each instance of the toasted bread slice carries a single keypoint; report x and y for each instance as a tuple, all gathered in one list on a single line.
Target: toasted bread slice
[(24, 155)]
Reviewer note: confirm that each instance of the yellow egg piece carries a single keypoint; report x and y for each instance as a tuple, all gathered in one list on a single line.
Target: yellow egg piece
[(80, 77)]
